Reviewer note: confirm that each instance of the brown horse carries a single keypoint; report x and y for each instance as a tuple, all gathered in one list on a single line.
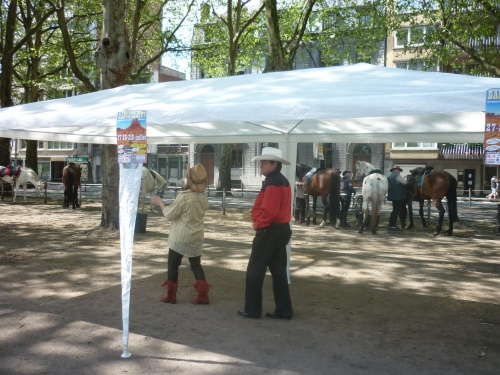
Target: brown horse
[(323, 183), (71, 184), (427, 184)]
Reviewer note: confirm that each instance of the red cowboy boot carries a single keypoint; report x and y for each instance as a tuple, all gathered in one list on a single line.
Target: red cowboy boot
[(171, 287), (202, 288)]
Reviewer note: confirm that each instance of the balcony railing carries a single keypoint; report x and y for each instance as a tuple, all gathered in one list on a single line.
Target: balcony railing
[(461, 151)]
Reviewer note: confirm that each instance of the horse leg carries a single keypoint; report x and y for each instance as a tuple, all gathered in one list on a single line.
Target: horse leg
[(15, 188), (65, 202), (365, 217), (421, 213), (440, 208), (410, 215), (74, 201), (77, 200), (308, 212), (314, 210), (450, 228), (324, 200)]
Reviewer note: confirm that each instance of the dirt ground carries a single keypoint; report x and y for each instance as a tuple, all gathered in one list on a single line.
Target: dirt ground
[(394, 303)]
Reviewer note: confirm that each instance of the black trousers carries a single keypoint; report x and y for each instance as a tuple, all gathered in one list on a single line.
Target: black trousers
[(300, 209), (396, 208), (269, 250), (174, 262), (345, 202)]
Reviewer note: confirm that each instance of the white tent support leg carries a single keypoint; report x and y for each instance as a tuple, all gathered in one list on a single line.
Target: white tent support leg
[(130, 183), (289, 150)]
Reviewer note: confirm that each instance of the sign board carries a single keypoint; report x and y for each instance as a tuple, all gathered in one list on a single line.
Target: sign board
[(492, 128), (77, 160), (131, 138)]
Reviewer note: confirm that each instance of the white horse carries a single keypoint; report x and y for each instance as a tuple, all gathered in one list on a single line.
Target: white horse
[(374, 190), (22, 178), (151, 181)]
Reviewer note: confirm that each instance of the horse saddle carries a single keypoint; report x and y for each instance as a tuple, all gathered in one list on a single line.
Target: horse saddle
[(310, 175), (419, 174), (11, 172)]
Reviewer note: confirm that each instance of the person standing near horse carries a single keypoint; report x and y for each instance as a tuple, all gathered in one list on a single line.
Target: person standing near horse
[(397, 194), (346, 192), (494, 189), (271, 215), (186, 234), (300, 202)]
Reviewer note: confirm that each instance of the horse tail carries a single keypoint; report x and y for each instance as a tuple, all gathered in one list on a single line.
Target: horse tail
[(69, 178), (376, 204), (451, 196), (335, 191)]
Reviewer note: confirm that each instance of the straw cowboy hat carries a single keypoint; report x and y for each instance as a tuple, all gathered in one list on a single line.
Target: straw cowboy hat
[(396, 167), (271, 153), (196, 178)]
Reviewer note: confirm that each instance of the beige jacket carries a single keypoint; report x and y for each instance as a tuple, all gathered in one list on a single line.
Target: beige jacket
[(186, 230)]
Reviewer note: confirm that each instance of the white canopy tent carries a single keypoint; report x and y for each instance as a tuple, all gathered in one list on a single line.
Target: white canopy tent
[(357, 103)]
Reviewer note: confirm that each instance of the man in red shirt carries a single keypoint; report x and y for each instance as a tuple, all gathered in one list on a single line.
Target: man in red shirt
[(271, 215)]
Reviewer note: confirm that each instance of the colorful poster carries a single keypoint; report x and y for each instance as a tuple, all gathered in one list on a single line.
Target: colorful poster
[(492, 128), (131, 138)]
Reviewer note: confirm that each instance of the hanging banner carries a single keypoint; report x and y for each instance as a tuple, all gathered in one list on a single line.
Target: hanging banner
[(131, 137), (492, 128)]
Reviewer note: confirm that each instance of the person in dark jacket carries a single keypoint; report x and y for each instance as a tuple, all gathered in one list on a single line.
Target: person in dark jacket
[(397, 194), (271, 215), (346, 192)]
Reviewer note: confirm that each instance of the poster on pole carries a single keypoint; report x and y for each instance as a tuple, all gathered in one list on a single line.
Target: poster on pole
[(492, 128), (131, 137)]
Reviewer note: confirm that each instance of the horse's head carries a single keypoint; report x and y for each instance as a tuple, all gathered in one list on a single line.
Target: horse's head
[(360, 172), (301, 170)]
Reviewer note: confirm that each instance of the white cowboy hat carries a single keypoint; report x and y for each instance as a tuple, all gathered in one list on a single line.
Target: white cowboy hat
[(271, 153)]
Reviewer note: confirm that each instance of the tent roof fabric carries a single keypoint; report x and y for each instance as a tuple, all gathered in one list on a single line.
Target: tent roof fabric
[(356, 103)]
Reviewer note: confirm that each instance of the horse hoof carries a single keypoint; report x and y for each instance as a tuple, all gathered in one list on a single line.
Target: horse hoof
[(360, 230), (322, 224)]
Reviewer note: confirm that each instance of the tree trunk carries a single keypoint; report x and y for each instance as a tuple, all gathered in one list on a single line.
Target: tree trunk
[(5, 151), (276, 54), (113, 57), (110, 215), (225, 167), (32, 155)]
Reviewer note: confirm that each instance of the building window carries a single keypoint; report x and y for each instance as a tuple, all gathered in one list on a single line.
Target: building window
[(414, 146), (237, 160), (411, 36), (60, 145), (24, 144), (362, 149), (417, 65)]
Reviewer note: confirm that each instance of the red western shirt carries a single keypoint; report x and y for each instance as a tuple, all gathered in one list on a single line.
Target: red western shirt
[(273, 203)]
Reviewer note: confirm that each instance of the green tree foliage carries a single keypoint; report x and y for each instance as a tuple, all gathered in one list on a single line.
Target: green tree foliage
[(349, 31), (227, 38), (459, 35)]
